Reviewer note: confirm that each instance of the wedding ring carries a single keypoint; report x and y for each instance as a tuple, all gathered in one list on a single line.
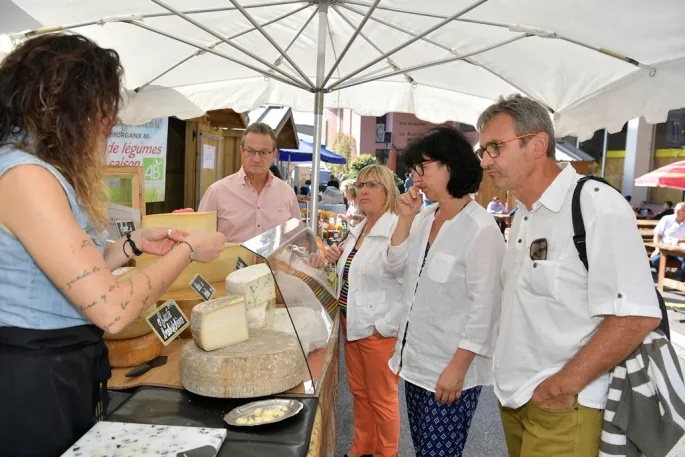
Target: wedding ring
[(168, 233)]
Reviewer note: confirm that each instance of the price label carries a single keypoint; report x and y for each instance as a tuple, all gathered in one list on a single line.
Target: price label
[(240, 264), (202, 287), (167, 321), (124, 227)]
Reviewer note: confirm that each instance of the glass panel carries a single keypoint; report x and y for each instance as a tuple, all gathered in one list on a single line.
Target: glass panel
[(307, 293), (121, 189)]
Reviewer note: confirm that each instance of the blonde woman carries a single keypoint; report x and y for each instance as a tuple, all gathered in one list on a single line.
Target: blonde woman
[(367, 292)]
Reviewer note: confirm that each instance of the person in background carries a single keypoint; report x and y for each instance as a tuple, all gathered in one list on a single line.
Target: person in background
[(276, 172), (629, 199), (308, 183), (61, 96), (353, 215), (333, 182), (666, 210), (453, 251), (367, 293), (670, 230), (643, 211), (408, 182), (563, 327), (496, 206), (253, 200)]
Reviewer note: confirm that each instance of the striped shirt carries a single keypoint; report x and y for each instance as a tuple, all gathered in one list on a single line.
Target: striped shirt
[(342, 300)]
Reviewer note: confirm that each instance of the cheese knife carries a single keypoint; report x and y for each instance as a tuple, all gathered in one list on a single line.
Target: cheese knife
[(142, 369)]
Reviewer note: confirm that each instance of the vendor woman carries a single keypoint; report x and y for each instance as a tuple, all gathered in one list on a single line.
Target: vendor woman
[(59, 98)]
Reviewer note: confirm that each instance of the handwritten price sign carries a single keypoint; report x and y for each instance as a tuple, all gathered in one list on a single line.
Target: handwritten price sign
[(167, 321)]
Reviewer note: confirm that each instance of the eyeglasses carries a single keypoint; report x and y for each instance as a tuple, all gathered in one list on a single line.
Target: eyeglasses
[(370, 184), (263, 154), (493, 148), (418, 168)]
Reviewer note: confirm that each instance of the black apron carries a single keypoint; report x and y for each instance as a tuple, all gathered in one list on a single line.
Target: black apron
[(53, 387)]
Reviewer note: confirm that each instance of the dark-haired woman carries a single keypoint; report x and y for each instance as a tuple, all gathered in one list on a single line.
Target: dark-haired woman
[(453, 251), (60, 96)]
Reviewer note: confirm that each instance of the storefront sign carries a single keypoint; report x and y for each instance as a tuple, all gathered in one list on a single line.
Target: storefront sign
[(144, 146)]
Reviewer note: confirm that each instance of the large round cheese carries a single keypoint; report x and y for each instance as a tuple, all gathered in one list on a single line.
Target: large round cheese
[(269, 363), (134, 351)]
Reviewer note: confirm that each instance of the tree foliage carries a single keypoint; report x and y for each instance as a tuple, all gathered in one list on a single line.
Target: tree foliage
[(360, 162)]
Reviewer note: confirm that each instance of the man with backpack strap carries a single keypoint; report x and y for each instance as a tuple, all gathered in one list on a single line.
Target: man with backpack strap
[(563, 326)]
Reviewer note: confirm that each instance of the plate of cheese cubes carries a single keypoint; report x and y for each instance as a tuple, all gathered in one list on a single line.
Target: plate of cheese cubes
[(263, 412)]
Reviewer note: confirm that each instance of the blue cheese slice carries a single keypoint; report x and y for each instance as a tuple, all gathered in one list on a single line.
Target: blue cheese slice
[(262, 316), (255, 282)]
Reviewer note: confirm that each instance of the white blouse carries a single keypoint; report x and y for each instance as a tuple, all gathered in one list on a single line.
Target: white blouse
[(454, 301)]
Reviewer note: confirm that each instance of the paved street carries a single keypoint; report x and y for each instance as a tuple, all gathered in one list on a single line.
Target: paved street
[(486, 438)]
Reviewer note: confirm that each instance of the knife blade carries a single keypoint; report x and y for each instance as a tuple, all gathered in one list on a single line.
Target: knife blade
[(142, 369)]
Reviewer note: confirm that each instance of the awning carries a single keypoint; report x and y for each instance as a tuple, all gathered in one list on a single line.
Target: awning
[(304, 154)]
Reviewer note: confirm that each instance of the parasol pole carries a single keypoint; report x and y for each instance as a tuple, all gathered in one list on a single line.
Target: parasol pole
[(318, 112)]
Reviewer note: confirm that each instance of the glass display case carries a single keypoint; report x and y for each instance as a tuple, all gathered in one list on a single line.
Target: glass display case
[(307, 293), (126, 186)]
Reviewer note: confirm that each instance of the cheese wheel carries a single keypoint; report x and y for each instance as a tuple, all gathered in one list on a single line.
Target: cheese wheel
[(219, 323), (269, 363), (134, 351), (188, 222), (255, 282)]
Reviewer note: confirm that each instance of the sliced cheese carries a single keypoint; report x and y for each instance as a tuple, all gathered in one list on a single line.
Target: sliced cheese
[(261, 316), (219, 323), (188, 222), (134, 351), (269, 363), (214, 271), (255, 282), (187, 299)]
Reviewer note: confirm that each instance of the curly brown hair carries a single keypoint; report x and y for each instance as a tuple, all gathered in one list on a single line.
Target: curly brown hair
[(59, 99)]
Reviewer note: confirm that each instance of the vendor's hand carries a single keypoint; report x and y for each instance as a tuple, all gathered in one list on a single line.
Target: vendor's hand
[(333, 253), (158, 240), (184, 210), (316, 260), (206, 244), (409, 203), (450, 384), (549, 395)]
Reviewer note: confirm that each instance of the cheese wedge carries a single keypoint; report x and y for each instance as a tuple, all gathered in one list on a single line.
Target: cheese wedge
[(262, 316), (188, 222), (219, 323), (255, 282)]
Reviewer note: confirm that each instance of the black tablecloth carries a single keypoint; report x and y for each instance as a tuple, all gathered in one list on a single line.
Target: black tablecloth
[(159, 406)]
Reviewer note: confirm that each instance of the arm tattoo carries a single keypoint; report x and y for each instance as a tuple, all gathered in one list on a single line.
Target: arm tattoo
[(89, 305), (84, 275), (145, 301), (147, 280), (124, 305), (108, 326)]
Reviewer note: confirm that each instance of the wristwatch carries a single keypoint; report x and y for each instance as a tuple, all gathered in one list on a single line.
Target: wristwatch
[(192, 251)]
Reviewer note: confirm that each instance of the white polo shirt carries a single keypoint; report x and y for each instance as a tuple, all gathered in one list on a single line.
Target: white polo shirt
[(670, 229), (552, 308)]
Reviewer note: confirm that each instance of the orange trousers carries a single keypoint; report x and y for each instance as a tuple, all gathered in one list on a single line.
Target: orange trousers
[(375, 390)]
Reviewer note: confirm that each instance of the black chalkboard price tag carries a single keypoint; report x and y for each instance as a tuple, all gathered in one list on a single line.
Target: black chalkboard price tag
[(202, 287), (125, 227), (240, 264), (167, 321)]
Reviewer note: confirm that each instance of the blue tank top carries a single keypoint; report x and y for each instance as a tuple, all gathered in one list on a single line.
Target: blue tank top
[(28, 299)]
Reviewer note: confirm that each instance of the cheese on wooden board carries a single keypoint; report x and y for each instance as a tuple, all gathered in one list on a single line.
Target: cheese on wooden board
[(261, 316), (138, 327), (255, 282), (269, 363), (214, 271), (134, 351), (188, 222), (219, 323), (311, 328)]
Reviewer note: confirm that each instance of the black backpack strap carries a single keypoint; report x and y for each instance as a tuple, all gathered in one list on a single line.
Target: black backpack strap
[(579, 236)]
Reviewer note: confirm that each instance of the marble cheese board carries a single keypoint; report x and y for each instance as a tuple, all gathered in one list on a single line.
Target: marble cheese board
[(118, 439)]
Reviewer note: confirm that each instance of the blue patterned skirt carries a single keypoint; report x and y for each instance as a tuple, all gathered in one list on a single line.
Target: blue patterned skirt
[(439, 430)]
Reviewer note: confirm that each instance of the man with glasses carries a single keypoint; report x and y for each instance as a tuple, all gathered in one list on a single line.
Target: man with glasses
[(252, 200), (563, 328)]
